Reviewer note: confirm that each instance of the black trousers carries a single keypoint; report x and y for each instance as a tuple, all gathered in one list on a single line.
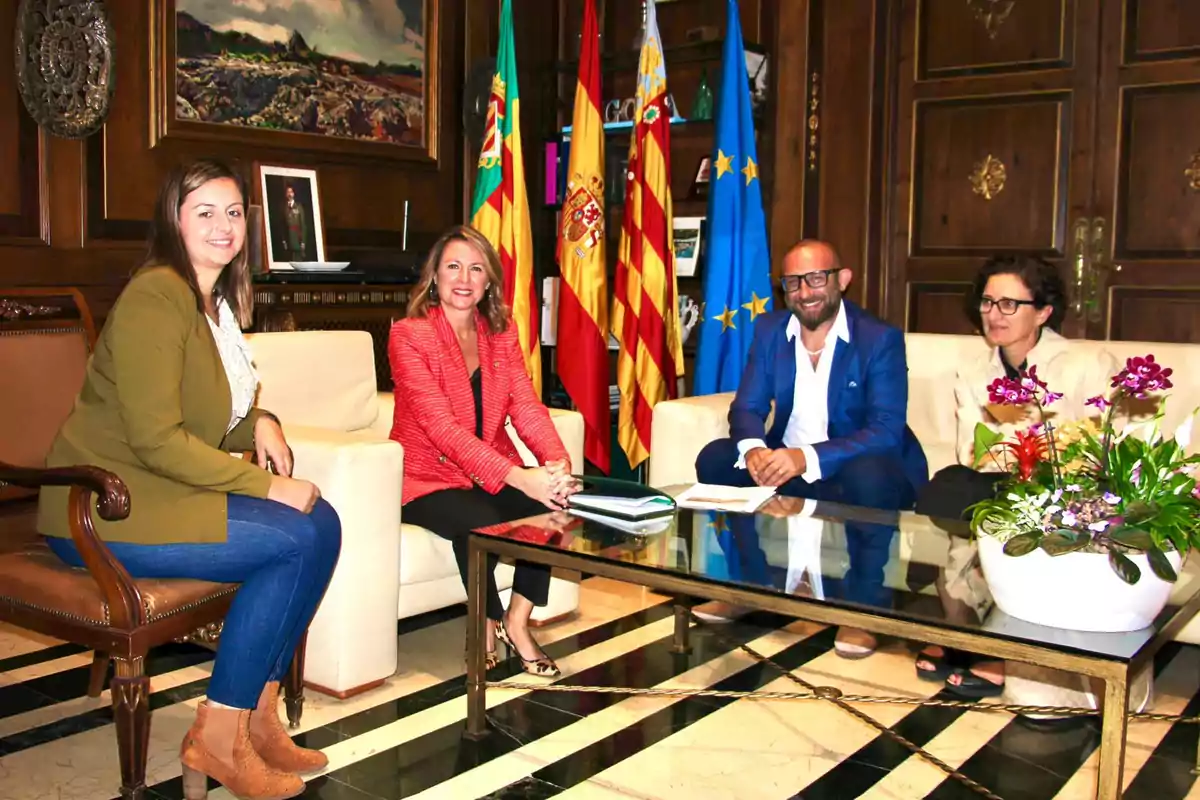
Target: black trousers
[(453, 513), (954, 489)]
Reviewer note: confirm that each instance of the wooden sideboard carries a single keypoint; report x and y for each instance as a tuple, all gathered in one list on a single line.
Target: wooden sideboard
[(346, 301)]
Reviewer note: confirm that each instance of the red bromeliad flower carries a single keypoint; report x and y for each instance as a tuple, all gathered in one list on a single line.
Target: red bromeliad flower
[(1029, 450)]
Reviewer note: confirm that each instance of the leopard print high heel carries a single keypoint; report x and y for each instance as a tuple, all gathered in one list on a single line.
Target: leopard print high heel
[(543, 667)]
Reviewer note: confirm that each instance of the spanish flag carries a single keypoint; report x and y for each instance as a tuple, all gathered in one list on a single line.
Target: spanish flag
[(645, 313), (500, 210), (583, 295)]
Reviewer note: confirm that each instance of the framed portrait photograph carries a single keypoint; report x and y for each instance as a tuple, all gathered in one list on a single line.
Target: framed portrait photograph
[(293, 229), (350, 77), (699, 190), (689, 241)]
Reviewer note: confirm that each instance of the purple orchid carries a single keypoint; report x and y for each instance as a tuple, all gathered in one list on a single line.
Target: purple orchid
[(1142, 376), (1008, 392), (1099, 401)]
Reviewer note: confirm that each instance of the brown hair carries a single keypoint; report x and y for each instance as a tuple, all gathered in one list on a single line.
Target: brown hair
[(166, 239), (492, 306)]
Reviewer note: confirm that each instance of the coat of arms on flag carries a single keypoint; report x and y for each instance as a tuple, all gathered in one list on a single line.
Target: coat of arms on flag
[(584, 214)]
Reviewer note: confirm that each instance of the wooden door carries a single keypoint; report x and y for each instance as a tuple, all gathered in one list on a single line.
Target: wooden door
[(1146, 217), (994, 137)]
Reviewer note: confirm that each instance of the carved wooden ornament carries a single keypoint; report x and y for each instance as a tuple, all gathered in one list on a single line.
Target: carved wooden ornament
[(65, 65)]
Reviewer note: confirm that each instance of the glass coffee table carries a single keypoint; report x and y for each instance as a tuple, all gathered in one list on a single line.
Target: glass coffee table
[(893, 574)]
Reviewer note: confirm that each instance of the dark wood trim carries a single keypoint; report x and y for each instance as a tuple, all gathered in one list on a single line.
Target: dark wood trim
[(28, 226), (810, 221)]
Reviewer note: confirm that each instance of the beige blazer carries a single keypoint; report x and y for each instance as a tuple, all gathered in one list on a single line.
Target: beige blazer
[(1077, 374)]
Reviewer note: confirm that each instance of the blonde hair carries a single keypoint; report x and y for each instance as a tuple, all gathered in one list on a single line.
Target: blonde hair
[(492, 306)]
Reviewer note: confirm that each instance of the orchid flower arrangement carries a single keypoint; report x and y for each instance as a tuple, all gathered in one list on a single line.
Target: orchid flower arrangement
[(1083, 489)]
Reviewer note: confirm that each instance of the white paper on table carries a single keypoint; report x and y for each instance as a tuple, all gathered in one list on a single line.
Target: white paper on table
[(713, 497)]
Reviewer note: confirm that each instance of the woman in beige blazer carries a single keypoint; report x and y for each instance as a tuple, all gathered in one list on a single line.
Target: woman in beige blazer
[(1018, 303), (168, 394)]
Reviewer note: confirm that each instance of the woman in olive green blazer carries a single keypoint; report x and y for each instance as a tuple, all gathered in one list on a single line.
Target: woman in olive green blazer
[(168, 395)]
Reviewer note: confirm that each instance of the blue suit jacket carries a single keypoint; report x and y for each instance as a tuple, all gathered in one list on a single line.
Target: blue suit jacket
[(868, 394)]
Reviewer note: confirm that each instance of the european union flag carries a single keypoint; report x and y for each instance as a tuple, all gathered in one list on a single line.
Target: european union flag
[(737, 271)]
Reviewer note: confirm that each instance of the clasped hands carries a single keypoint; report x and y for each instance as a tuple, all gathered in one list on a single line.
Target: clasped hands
[(775, 467), (550, 485), (271, 448)]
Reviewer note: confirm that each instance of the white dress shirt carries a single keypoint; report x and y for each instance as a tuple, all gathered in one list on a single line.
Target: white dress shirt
[(809, 421)]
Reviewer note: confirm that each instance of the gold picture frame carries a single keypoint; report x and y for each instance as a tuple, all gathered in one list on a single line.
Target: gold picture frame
[(389, 144)]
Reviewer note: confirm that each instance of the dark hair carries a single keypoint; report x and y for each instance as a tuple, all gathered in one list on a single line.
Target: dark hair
[(1040, 277), (492, 306), (166, 239)]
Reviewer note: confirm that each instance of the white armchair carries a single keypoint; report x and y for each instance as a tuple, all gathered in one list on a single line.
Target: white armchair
[(322, 386)]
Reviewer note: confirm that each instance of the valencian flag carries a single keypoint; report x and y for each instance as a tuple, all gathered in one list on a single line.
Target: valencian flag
[(645, 312), (737, 271), (500, 210), (583, 297)]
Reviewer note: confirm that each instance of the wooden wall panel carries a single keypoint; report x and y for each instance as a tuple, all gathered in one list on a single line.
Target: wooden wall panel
[(984, 37), (954, 141), (1158, 210), (20, 142), (1161, 30), (1163, 314), (103, 188), (938, 306)]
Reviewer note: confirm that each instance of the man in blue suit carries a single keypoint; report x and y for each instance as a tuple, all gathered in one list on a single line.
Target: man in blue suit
[(838, 380)]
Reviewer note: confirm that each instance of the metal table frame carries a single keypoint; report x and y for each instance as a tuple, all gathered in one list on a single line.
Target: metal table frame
[(1114, 673)]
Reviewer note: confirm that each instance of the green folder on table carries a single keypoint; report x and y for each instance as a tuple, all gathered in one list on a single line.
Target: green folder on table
[(621, 499)]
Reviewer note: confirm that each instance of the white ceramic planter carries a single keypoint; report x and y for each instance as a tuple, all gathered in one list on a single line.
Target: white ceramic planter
[(1077, 591)]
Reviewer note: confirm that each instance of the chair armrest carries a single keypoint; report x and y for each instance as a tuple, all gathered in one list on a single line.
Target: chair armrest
[(569, 425), (125, 606), (360, 474), (679, 430), (382, 426)]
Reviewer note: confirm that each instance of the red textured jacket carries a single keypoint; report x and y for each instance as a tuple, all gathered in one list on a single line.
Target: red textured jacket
[(435, 409)]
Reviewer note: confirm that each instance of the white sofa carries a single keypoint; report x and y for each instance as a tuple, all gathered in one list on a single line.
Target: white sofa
[(681, 428), (322, 386)]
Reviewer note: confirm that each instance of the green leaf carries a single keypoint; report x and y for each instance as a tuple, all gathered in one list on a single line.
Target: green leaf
[(1125, 568), (1064, 541), (1132, 537), (985, 440), (1022, 544), (1161, 566), (1138, 511)]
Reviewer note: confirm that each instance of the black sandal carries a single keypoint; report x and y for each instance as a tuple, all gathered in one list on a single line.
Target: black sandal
[(941, 666), (972, 686)]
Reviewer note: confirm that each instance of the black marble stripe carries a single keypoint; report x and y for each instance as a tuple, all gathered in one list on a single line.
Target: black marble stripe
[(1026, 759), (593, 759), (870, 763), (96, 718), (408, 705), (40, 656), (440, 755), (69, 684), (1168, 771)]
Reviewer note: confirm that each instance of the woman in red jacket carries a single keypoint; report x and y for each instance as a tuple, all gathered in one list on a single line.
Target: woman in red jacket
[(459, 374)]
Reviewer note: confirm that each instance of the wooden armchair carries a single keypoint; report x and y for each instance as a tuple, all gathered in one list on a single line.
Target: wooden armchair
[(100, 607)]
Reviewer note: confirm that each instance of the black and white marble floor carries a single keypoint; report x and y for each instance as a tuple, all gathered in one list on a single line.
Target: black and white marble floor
[(404, 739)]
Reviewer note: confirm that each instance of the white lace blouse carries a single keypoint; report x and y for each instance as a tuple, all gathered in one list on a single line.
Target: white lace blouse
[(237, 360)]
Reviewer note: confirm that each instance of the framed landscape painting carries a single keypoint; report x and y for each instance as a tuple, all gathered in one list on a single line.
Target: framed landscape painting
[(356, 77)]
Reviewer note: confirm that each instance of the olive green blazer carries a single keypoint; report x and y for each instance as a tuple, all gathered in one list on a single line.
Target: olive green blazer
[(154, 408)]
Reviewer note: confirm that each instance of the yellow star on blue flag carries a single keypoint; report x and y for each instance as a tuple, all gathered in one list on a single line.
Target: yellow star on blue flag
[(737, 263)]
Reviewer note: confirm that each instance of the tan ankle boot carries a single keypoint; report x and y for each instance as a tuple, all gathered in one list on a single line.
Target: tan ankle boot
[(272, 742), (218, 746)]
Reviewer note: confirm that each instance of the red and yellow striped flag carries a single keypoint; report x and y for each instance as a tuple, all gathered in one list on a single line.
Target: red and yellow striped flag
[(645, 313), (583, 296), (500, 210)]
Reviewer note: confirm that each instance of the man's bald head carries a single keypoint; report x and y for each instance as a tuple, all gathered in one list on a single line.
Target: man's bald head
[(819, 254)]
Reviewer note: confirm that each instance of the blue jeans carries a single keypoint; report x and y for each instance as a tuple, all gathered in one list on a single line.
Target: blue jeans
[(869, 481), (282, 557)]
